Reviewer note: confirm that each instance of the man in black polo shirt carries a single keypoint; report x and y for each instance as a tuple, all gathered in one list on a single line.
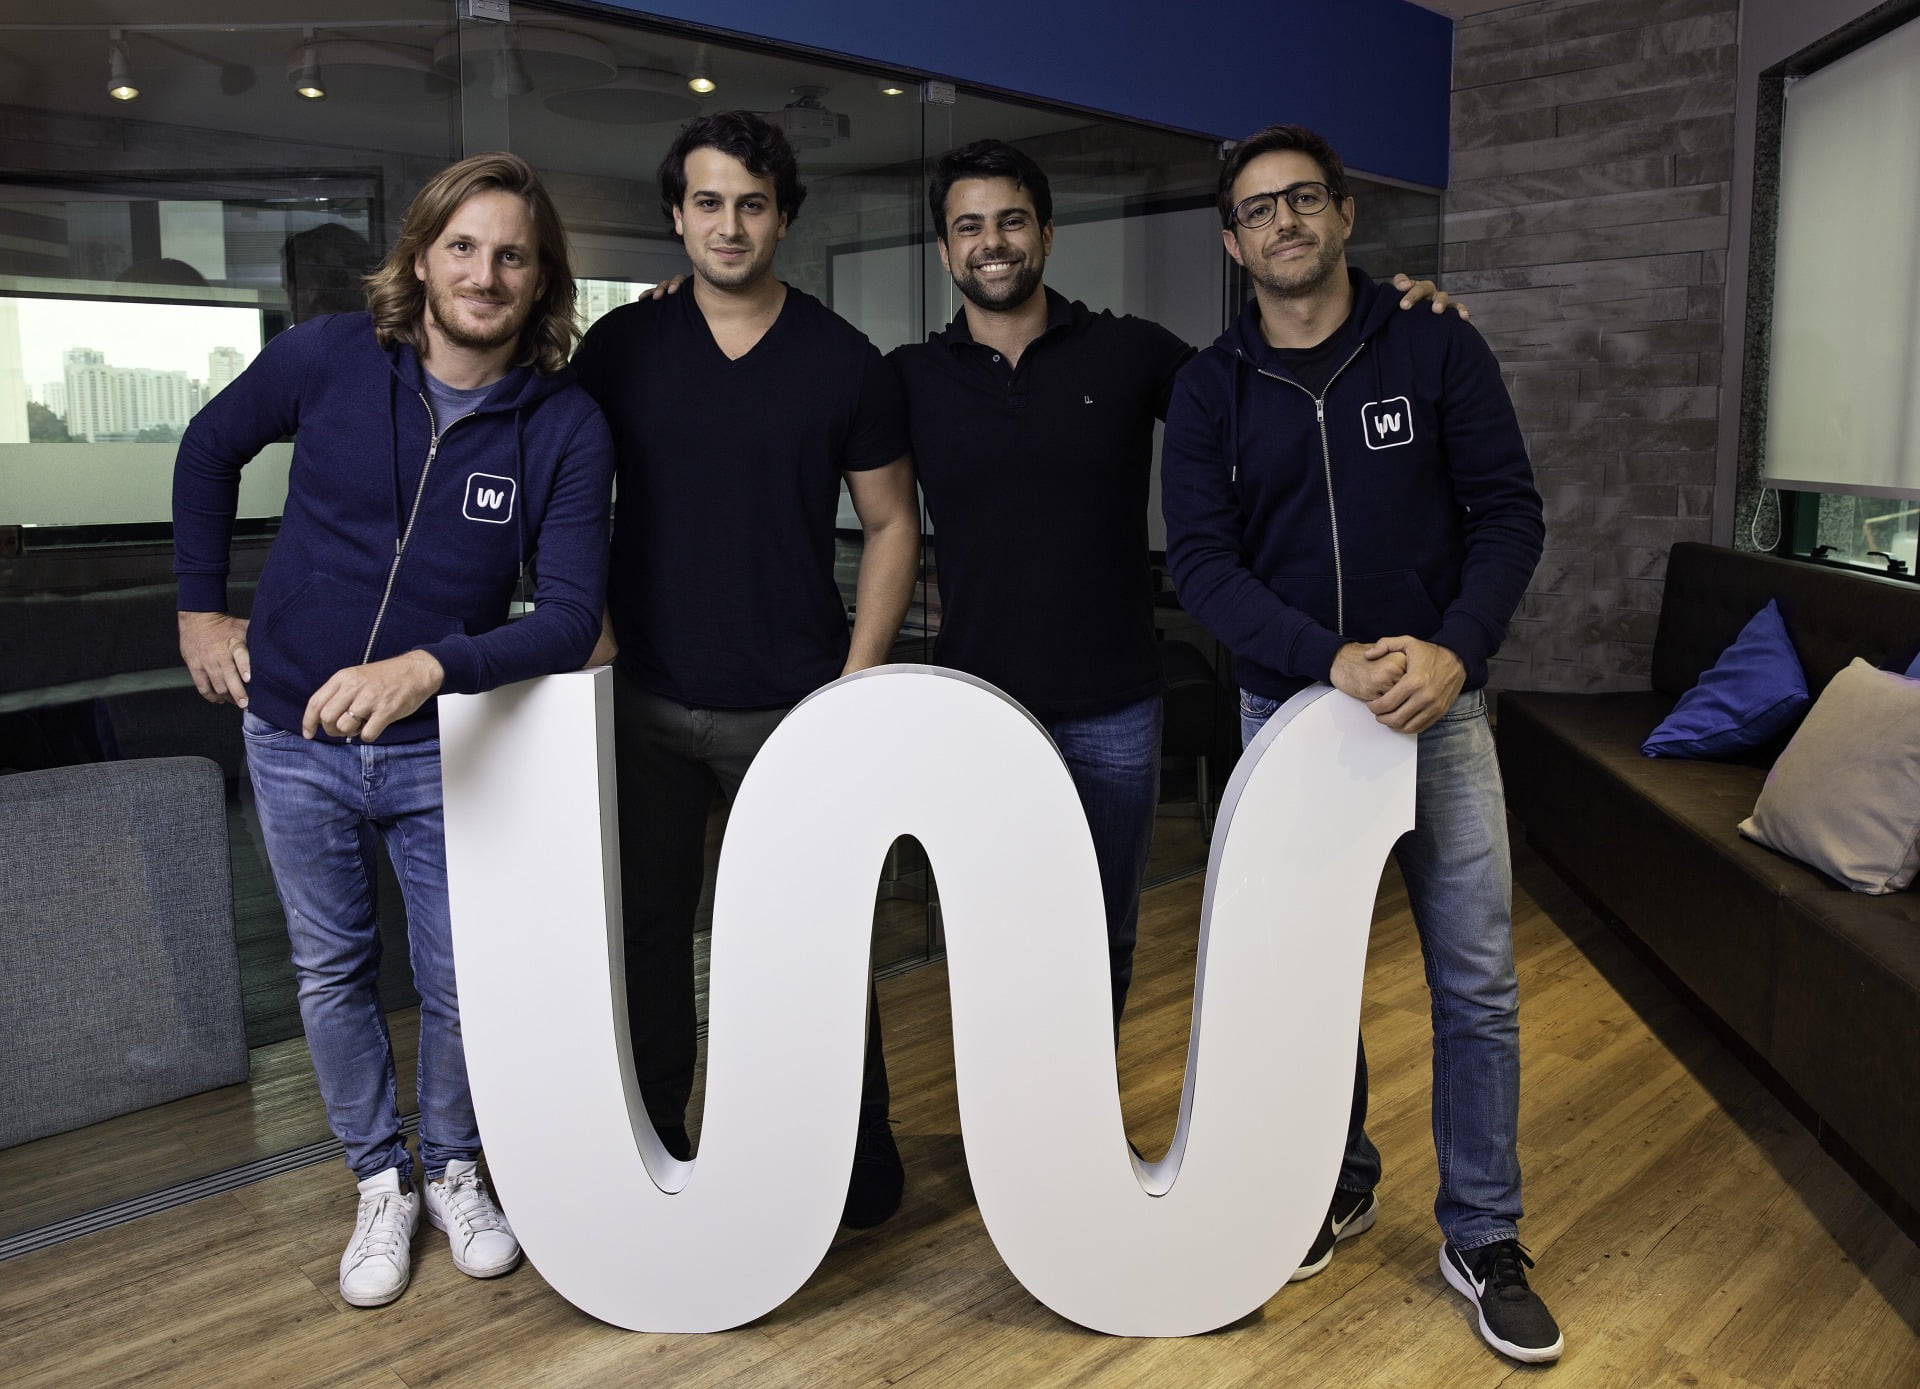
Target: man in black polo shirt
[(1032, 422), (736, 410)]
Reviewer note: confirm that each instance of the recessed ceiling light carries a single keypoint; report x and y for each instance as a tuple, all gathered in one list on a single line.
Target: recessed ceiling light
[(889, 87)]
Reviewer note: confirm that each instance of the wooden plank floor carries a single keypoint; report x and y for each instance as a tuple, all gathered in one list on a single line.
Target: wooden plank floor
[(1689, 1232)]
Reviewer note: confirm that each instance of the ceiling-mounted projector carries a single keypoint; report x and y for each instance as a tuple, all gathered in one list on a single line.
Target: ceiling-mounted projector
[(808, 124)]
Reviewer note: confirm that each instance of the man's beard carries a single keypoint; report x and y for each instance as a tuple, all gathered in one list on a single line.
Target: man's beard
[(1010, 294), (722, 275), (444, 305), (1298, 278)]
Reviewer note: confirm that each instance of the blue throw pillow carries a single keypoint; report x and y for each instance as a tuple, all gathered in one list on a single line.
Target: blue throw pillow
[(1754, 693), (1913, 671)]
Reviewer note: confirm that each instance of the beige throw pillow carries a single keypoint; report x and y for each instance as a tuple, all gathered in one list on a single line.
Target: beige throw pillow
[(1845, 794)]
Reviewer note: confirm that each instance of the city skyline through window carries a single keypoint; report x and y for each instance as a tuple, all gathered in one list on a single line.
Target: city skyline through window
[(110, 370)]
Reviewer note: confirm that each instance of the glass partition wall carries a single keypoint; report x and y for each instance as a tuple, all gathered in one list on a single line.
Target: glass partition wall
[(178, 183)]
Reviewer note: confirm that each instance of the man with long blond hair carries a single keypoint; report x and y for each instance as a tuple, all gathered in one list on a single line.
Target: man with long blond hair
[(442, 454)]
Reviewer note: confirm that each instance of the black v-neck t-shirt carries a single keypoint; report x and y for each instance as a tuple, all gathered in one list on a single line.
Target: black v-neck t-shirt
[(1036, 479), (728, 482)]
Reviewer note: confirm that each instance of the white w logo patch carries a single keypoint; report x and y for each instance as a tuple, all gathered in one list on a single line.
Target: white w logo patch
[(489, 498), (1387, 424)]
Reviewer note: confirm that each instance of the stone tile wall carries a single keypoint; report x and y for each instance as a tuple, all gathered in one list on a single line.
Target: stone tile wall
[(1587, 224)]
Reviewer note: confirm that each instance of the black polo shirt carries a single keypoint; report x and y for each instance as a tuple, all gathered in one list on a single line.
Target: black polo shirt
[(721, 578), (1036, 480)]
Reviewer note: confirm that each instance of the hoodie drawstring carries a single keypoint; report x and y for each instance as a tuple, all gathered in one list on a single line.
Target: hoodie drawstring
[(520, 512)]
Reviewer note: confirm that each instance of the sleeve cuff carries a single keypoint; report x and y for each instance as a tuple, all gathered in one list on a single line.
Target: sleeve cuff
[(459, 664), (1463, 637), (1314, 651), (202, 593)]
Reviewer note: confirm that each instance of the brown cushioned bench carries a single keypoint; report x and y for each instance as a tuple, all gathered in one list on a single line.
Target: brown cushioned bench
[(1820, 984)]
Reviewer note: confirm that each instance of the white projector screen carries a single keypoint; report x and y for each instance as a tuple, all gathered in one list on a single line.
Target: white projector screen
[(1843, 389)]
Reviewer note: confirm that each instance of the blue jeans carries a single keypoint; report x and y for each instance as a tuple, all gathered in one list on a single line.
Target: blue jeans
[(1459, 878), (320, 806), (1114, 759)]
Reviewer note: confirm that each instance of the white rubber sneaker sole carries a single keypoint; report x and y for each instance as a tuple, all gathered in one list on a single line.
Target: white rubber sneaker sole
[(1357, 1224), (381, 1299), (380, 1294), (469, 1267), (1531, 1355)]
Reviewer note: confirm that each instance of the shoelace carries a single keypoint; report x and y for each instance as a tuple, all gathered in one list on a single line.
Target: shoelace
[(1502, 1269), (385, 1227), (465, 1200)]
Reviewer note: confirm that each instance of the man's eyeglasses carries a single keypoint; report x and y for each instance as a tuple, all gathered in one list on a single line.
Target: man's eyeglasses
[(1304, 198)]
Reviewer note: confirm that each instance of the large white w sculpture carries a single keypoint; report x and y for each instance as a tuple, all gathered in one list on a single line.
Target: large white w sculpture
[(1179, 1247)]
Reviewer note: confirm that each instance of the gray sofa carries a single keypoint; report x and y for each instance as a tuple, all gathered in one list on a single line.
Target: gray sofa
[(119, 982), (1820, 986)]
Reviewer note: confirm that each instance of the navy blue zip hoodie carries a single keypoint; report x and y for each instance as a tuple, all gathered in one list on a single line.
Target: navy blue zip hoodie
[(528, 474), (1399, 503)]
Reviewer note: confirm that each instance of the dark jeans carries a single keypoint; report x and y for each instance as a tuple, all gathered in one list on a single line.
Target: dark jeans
[(671, 761), (1114, 759)]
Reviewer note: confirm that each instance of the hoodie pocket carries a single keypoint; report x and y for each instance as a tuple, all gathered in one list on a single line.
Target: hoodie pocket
[(1390, 604), (405, 627), (1316, 595), (302, 638)]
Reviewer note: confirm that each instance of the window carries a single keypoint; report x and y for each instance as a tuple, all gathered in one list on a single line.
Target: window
[(1842, 412)]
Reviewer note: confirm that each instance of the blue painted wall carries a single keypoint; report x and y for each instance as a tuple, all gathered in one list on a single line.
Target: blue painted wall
[(1373, 76)]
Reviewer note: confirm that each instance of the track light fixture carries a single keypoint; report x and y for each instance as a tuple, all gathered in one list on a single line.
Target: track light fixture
[(700, 75), (303, 70), (120, 85)]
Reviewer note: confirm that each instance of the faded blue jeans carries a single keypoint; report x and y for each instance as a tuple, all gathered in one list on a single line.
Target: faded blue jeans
[(1114, 759), (320, 806), (1459, 877)]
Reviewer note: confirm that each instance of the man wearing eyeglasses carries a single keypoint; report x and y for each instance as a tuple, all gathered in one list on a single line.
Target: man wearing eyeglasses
[(1348, 500), (1032, 427)]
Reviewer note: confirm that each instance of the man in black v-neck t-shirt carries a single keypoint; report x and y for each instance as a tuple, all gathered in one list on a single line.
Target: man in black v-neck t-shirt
[(1032, 422), (736, 411)]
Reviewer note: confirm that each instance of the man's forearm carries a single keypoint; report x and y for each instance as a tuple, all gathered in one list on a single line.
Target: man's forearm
[(889, 562)]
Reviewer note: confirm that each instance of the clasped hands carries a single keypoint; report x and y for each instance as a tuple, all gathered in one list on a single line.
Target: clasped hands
[(1406, 683)]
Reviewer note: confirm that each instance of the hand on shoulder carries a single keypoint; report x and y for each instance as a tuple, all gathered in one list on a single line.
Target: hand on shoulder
[(1418, 290)]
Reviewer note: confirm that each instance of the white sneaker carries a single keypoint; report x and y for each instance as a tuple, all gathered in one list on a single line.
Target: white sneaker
[(379, 1258), (483, 1242)]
